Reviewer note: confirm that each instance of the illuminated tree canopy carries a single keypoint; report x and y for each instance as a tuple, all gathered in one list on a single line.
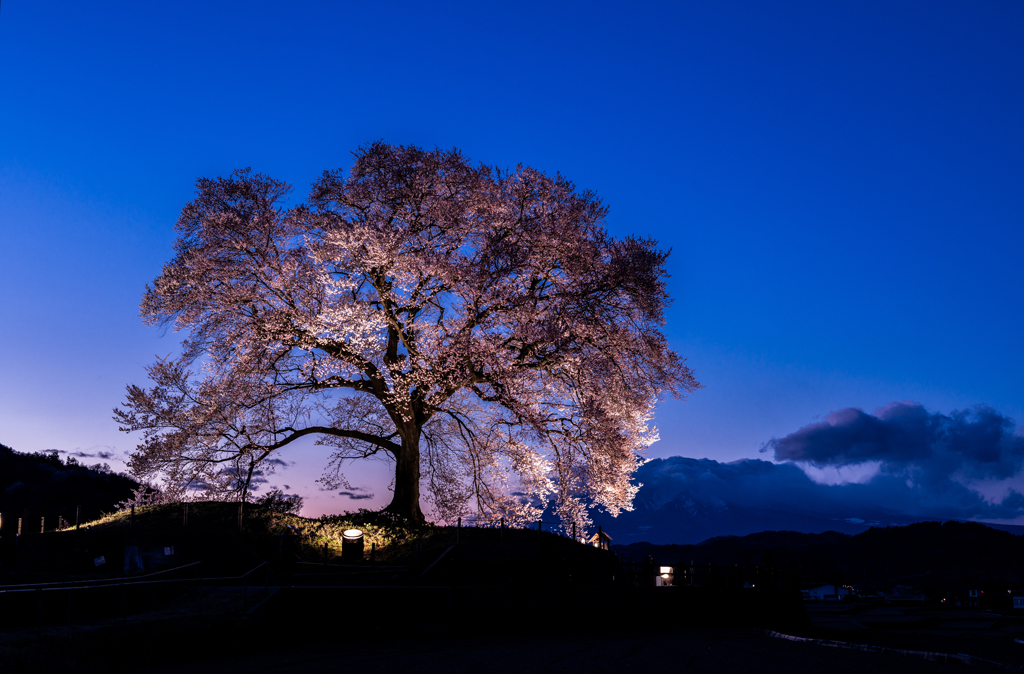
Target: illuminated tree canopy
[(478, 328)]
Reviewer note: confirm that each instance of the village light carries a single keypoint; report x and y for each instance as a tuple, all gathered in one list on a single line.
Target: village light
[(665, 579), (352, 545)]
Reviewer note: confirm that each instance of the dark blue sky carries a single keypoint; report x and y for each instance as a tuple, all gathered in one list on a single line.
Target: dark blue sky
[(841, 184)]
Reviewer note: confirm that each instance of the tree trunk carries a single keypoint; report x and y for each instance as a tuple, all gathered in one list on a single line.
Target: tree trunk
[(406, 502)]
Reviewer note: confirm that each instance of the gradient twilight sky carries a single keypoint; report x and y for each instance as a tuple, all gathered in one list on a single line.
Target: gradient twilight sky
[(841, 184)]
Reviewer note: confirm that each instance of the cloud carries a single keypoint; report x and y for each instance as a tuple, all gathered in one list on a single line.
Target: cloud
[(256, 479), (966, 464), (854, 473), (353, 496), (101, 454)]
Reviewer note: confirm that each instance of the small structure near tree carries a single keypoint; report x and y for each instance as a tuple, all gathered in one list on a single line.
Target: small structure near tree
[(601, 540)]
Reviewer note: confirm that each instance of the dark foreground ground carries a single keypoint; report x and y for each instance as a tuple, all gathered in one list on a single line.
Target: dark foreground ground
[(715, 650), (224, 644), (223, 634)]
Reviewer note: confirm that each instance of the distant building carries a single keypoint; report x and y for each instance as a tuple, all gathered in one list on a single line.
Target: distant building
[(601, 540)]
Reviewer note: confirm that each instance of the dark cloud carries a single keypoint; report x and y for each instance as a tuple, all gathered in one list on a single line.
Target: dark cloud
[(980, 441), (279, 463), (353, 496), (968, 463), (102, 454), (239, 475)]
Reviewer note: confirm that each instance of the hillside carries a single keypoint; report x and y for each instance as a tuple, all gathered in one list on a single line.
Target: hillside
[(45, 485), (925, 555), (393, 541)]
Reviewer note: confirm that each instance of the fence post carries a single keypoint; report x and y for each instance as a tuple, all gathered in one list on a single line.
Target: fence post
[(42, 524)]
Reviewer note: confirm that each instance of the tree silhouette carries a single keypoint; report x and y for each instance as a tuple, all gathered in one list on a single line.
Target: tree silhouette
[(479, 328)]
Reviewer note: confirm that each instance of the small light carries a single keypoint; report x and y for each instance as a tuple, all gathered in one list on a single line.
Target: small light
[(665, 570), (352, 545)]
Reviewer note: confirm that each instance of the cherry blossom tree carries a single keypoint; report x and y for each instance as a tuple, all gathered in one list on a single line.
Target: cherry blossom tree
[(478, 328)]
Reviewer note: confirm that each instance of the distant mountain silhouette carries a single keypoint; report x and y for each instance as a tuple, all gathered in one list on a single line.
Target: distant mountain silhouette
[(686, 501), (43, 484), (691, 520)]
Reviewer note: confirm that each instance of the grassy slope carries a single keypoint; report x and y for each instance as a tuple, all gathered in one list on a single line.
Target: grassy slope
[(395, 541)]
